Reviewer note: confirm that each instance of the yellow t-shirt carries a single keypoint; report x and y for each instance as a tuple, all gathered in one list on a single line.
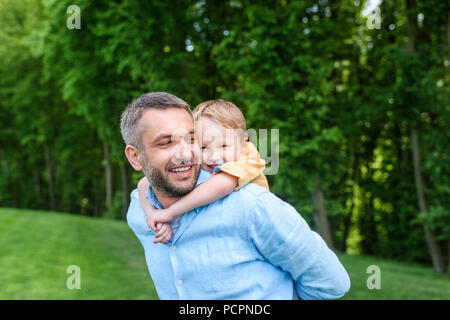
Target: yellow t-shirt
[(248, 168)]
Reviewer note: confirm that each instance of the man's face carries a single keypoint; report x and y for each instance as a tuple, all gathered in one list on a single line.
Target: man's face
[(171, 155)]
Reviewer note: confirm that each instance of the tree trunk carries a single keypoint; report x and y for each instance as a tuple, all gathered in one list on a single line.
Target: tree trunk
[(37, 187), (410, 25), (347, 223), (448, 57), (321, 214), (37, 183), (50, 165), (348, 218), (108, 175), (125, 189), (5, 164), (433, 247), (448, 37), (448, 256)]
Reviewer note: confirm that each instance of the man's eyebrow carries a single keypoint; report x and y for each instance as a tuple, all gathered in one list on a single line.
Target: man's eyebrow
[(166, 135), (162, 136)]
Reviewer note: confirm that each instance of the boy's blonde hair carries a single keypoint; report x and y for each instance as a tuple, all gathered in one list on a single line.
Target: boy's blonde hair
[(224, 112)]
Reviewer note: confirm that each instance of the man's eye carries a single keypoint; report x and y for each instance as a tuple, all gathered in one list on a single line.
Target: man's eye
[(203, 148), (224, 146), (164, 143)]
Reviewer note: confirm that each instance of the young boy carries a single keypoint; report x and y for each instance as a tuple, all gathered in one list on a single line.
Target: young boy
[(226, 153)]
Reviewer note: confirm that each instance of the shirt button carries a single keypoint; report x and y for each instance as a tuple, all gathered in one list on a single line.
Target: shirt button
[(174, 247), (180, 282)]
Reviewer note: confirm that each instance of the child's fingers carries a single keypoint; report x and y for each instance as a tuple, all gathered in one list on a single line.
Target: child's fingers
[(166, 239), (160, 239), (168, 236), (157, 240), (157, 226), (161, 235), (151, 224)]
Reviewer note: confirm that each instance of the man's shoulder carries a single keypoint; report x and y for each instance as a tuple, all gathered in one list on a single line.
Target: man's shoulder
[(250, 193), (254, 189), (253, 196), (134, 209), (134, 194)]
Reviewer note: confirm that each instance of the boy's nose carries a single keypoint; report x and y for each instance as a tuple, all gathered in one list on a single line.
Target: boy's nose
[(215, 158)]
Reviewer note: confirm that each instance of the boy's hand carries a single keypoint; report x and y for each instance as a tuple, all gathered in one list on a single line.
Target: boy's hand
[(164, 233), (158, 215)]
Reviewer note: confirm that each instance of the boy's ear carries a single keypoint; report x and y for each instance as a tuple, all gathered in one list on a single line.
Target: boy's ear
[(133, 156)]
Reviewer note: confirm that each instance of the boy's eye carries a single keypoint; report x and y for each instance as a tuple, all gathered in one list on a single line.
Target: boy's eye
[(224, 146), (203, 148)]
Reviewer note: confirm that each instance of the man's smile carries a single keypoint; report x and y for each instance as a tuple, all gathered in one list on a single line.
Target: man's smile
[(181, 171)]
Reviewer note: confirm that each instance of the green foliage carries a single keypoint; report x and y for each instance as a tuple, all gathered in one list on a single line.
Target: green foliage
[(438, 219), (344, 98)]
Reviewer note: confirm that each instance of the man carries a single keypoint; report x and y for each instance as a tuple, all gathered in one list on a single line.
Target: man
[(248, 245)]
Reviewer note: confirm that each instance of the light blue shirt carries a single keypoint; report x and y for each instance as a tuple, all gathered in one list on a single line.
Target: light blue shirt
[(247, 245)]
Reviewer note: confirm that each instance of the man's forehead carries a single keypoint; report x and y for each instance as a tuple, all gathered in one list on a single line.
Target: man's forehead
[(170, 121)]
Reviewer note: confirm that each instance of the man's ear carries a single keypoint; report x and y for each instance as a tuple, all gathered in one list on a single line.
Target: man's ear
[(133, 156)]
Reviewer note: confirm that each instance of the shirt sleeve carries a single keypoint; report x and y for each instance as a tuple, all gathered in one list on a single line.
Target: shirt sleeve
[(284, 238), (247, 168), (136, 217)]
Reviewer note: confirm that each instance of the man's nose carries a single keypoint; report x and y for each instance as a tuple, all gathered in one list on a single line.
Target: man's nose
[(183, 153)]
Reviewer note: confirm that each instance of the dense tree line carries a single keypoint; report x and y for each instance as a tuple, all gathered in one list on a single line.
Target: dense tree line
[(362, 110)]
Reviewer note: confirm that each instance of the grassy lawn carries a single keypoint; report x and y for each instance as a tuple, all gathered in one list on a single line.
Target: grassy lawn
[(36, 247), (399, 280)]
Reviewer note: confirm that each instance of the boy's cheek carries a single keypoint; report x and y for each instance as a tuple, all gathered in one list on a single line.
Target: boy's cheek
[(230, 155), (204, 162)]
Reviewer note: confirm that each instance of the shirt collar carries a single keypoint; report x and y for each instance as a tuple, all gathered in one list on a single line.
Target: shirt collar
[(151, 196)]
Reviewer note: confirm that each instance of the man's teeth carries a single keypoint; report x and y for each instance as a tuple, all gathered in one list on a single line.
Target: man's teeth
[(180, 169)]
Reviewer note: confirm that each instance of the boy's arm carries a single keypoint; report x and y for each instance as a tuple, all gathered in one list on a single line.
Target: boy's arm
[(215, 188), (142, 191), (164, 230)]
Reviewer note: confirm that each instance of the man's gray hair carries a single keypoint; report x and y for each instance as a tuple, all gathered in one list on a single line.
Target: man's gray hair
[(129, 121)]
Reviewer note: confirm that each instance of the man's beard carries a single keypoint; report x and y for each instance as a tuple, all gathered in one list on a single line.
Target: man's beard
[(158, 182)]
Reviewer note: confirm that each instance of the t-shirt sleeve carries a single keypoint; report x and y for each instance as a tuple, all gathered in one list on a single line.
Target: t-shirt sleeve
[(247, 168)]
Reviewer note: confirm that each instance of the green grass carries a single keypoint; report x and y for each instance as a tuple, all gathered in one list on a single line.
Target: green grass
[(36, 247), (399, 280)]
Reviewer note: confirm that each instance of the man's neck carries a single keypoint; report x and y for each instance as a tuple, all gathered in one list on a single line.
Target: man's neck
[(165, 201)]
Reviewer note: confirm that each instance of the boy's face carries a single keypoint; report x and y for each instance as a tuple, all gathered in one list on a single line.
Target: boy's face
[(218, 144)]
